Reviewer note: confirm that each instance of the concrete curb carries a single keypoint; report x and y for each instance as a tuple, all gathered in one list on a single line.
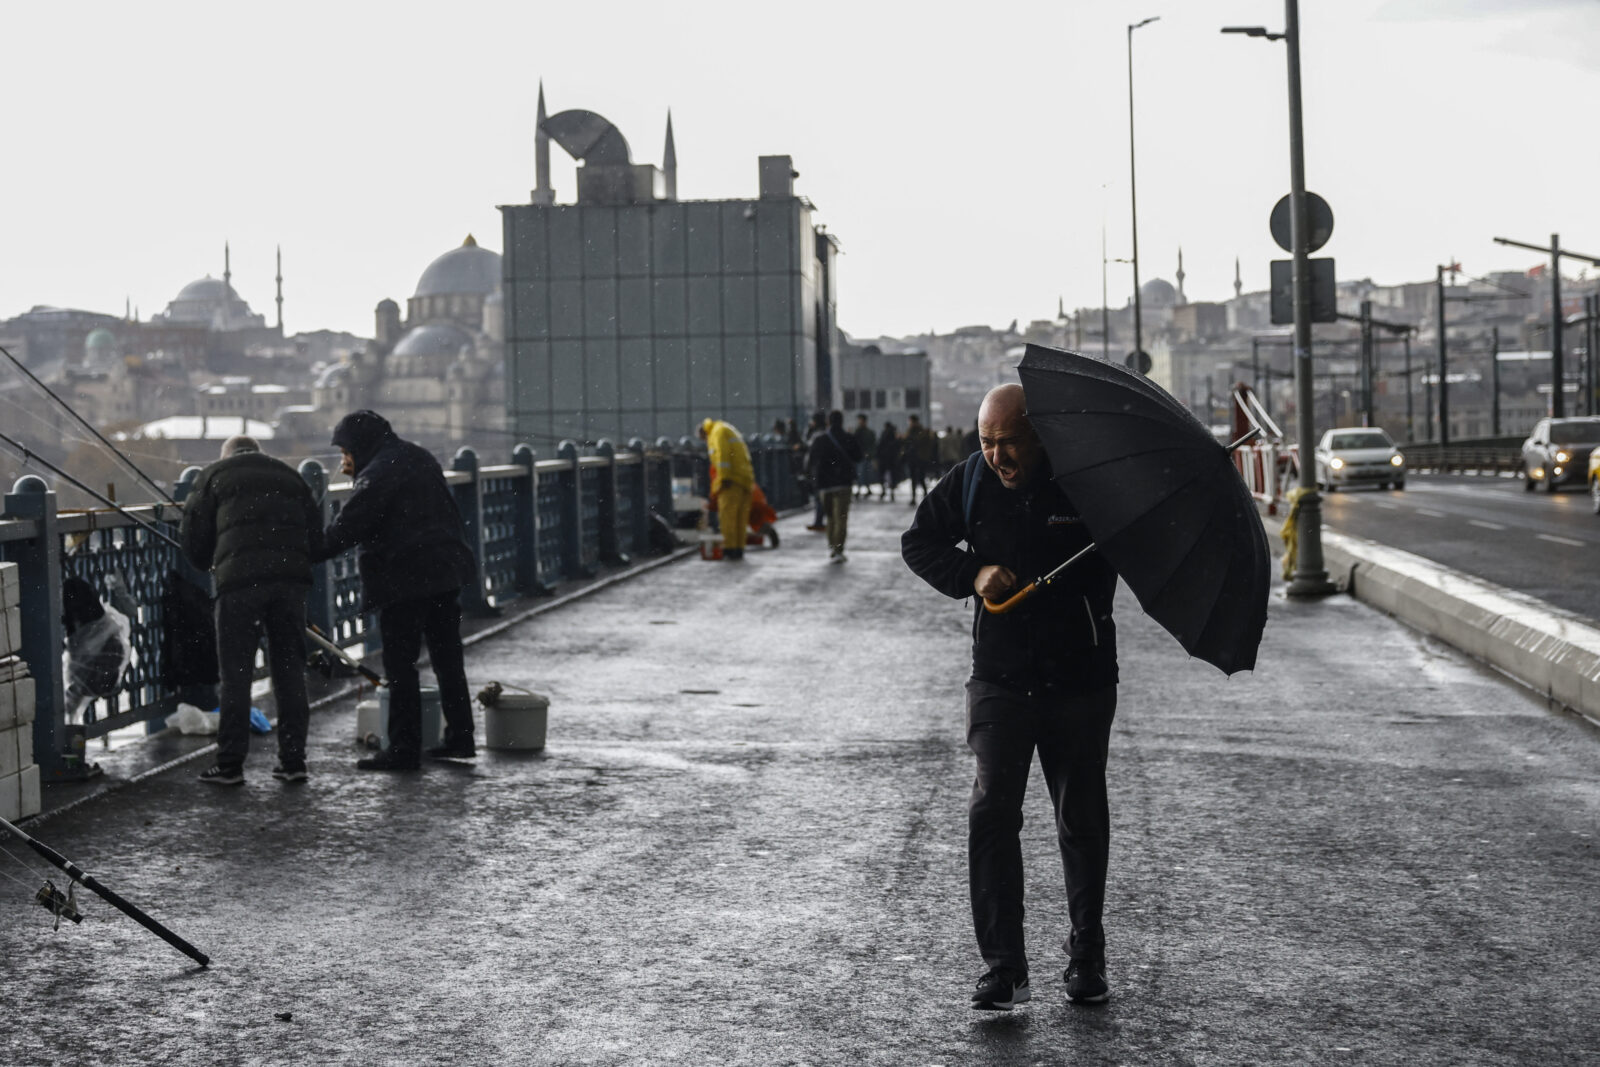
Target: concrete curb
[(1555, 652)]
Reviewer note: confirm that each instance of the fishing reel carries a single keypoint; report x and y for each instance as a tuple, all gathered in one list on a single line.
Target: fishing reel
[(61, 905)]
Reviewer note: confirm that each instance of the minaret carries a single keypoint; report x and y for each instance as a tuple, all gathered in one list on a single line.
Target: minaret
[(669, 161), (543, 195), (280, 290), (1182, 300), (1238, 282), (227, 270), (1061, 308)]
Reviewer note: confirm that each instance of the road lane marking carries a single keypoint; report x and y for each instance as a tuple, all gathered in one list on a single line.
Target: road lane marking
[(1560, 540), (1431, 514), (1485, 525), (1385, 506)]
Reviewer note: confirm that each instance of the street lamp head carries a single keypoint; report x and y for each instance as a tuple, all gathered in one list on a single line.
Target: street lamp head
[(1253, 31), (1146, 22)]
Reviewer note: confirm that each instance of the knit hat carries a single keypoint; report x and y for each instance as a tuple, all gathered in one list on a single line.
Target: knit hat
[(239, 442)]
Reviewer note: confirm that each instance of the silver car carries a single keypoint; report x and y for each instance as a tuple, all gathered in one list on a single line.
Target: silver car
[(1364, 456)]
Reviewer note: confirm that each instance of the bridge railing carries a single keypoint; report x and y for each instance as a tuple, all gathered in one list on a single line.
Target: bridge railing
[(531, 524), (1482, 455)]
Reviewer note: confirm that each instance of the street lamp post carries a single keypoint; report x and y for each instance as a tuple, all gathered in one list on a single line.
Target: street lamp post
[(1133, 194), (1311, 575), (1557, 372)]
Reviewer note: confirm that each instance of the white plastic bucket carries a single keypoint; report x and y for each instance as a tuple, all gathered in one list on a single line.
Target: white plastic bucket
[(516, 722)]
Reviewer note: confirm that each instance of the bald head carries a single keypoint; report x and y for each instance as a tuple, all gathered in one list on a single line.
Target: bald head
[(1010, 446)]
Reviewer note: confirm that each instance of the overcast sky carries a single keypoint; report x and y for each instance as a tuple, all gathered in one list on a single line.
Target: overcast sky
[(966, 155)]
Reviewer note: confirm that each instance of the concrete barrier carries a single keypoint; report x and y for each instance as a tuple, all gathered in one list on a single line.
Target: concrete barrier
[(1553, 651)]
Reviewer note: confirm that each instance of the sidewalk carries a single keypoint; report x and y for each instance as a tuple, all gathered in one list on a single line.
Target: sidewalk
[(746, 844)]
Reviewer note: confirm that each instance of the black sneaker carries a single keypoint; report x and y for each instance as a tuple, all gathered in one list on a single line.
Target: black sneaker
[(290, 772), (453, 751), (772, 534), (1086, 982), (388, 761), (1000, 989), (217, 774)]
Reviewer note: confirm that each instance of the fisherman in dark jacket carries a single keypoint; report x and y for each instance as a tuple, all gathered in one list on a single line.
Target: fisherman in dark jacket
[(252, 521), (1044, 676), (413, 563)]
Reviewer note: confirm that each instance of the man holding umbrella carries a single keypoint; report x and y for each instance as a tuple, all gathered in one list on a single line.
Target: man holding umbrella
[(1044, 677)]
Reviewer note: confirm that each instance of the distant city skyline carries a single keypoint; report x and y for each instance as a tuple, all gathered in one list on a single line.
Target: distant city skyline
[(967, 167)]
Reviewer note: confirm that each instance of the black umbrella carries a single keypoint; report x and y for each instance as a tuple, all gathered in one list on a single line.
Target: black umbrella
[(1161, 498)]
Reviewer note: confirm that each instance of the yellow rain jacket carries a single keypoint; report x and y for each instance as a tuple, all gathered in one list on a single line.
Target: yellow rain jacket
[(730, 459)]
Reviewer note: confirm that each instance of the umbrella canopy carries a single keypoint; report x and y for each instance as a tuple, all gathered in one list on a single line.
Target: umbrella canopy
[(1160, 497)]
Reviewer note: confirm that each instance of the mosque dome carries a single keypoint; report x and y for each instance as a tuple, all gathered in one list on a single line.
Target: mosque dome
[(465, 270), (100, 342), (334, 376), (434, 339), (209, 289), (1158, 292)]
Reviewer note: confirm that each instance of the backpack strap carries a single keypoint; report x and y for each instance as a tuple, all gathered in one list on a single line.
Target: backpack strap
[(971, 475)]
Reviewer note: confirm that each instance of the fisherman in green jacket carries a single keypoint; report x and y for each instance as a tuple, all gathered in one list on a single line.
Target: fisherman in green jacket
[(252, 521)]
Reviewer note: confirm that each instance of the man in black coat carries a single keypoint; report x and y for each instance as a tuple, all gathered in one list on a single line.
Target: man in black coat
[(252, 521), (413, 563), (832, 461), (1044, 676)]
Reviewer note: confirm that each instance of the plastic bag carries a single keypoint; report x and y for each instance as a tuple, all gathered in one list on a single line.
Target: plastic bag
[(189, 719), (98, 651), (259, 723)]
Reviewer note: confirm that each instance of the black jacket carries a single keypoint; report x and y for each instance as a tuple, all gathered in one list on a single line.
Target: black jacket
[(401, 514), (251, 520), (833, 458), (1063, 634)]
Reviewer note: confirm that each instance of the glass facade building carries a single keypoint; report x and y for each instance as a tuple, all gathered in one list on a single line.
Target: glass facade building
[(640, 319)]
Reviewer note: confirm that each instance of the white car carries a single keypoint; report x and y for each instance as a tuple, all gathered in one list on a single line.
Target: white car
[(1364, 456)]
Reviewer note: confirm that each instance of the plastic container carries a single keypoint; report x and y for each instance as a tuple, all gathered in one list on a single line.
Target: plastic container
[(372, 719), (515, 722)]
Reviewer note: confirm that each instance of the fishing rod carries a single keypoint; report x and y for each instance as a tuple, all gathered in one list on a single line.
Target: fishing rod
[(30, 456), (89, 882), (70, 410)]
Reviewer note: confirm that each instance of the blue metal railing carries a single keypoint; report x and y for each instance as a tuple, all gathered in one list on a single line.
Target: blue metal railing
[(531, 525)]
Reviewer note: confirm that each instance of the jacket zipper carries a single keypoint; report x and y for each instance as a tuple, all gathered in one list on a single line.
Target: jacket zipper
[(1093, 629)]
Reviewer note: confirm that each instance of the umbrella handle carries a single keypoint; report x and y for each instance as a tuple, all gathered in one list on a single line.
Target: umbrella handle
[(1006, 605)]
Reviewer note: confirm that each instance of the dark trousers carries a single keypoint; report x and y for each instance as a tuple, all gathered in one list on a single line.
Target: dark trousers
[(279, 609), (404, 626), (1071, 734)]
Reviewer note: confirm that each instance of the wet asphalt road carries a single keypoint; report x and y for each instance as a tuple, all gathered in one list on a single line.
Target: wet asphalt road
[(746, 844), (1544, 544)]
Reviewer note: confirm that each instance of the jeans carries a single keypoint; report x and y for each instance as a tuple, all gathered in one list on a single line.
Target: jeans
[(1071, 733), (279, 608), (836, 506), (404, 626)]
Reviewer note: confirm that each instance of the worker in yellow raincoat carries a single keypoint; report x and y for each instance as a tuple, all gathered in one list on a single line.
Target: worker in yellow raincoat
[(732, 477)]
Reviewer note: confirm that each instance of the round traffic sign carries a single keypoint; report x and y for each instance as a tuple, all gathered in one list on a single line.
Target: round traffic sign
[(1319, 220), (1138, 361)]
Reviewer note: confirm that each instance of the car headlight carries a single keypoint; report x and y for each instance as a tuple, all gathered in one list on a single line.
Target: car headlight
[(1336, 463), (1562, 457), (1397, 460)]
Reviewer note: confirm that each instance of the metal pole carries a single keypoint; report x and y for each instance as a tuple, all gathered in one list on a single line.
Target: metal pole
[(1105, 314), (1133, 196), (1557, 372), (1255, 365), (1444, 380), (1591, 307), (1310, 576), (1411, 432), (1366, 363), (1494, 379)]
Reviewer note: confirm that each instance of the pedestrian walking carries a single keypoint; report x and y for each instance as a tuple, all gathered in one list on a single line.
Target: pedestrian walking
[(817, 424), (413, 563), (252, 522), (1044, 677), (889, 449), (868, 442), (732, 477), (921, 451), (832, 462), (949, 449)]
